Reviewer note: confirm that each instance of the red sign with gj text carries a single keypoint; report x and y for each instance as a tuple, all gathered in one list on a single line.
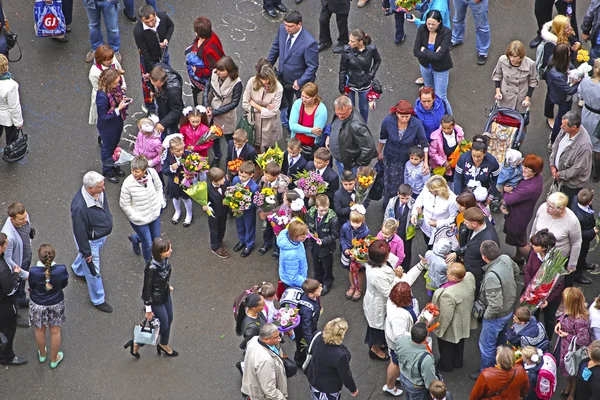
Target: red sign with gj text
[(50, 21)]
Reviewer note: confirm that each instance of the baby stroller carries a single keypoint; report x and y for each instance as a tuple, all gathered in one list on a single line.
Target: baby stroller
[(505, 130)]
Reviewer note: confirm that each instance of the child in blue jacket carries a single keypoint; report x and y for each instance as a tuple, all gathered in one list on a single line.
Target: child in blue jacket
[(293, 266), (309, 308), (355, 228)]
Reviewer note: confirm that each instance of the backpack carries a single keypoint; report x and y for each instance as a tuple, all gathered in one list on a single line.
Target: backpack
[(541, 63), (237, 303), (291, 296), (546, 382)]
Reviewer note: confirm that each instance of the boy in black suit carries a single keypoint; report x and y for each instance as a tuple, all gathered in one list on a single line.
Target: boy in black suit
[(239, 148), (217, 223), (585, 214), (274, 179), (293, 160), (321, 165), (399, 208), (345, 197)]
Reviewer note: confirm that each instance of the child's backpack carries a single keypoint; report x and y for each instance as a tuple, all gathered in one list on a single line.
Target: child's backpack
[(237, 303), (546, 382), (291, 296)]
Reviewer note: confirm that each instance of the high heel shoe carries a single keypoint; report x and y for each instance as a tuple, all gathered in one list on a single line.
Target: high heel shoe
[(374, 356), (131, 344), (159, 350)]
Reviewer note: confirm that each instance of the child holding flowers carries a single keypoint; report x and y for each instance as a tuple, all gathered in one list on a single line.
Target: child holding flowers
[(293, 266), (149, 145), (274, 183), (309, 308), (174, 170), (355, 228), (194, 127), (217, 223), (239, 149), (388, 233), (246, 224)]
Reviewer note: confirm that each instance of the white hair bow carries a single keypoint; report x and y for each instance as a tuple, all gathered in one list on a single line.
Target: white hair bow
[(300, 192), (359, 208), (297, 205), (167, 142)]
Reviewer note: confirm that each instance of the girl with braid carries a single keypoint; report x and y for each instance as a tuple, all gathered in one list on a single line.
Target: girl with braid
[(46, 303)]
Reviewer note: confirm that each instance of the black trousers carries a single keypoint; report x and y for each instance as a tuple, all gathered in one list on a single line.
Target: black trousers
[(570, 193), (407, 263), (269, 236), (217, 227), (8, 327), (585, 248), (342, 25), (21, 295), (323, 268), (451, 354), (288, 100), (549, 315), (11, 133), (67, 9), (543, 12), (270, 4)]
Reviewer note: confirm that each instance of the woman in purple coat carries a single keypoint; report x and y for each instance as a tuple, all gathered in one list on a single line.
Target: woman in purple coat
[(521, 201)]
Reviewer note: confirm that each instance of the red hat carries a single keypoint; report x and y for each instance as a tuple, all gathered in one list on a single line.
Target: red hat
[(403, 107)]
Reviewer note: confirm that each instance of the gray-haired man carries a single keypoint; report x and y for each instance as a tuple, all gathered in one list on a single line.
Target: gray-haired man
[(92, 223)]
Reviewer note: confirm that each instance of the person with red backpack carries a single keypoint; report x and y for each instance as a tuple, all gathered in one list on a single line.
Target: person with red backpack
[(541, 371)]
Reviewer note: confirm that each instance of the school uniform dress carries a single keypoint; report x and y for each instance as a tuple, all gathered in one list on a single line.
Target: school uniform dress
[(174, 189)]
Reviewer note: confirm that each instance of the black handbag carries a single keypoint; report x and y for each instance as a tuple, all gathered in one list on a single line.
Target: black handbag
[(11, 41), (17, 149)]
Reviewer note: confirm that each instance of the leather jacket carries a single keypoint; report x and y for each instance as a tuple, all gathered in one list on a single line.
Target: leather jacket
[(156, 282), (358, 67), (357, 146)]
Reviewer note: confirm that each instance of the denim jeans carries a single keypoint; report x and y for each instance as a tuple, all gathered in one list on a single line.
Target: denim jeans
[(164, 313), (439, 82), (145, 234), (488, 339), (411, 392), (110, 11), (482, 25), (130, 7), (363, 103), (340, 168), (80, 267)]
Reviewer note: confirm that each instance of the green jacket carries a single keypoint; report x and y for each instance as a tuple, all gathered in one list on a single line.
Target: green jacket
[(409, 354)]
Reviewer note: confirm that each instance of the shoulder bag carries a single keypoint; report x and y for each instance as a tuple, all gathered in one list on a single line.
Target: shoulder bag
[(309, 352), (17, 149), (479, 306), (246, 123), (574, 357), (11, 40)]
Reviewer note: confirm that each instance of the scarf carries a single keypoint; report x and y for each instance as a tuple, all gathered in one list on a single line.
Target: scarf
[(114, 97), (6, 76), (162, 267), (411, 311), (144, 180)]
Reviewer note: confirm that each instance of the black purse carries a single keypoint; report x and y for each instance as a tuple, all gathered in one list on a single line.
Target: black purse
[(11, 41), (17, 149)]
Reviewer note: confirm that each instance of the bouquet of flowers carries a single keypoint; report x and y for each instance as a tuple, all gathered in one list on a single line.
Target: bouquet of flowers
[(406, 5), (372, 96), (464, 146), (273, 154), (234, 165), (596, 238), (311, 183), (544, 280), (193, 164), (287, 318), (265, 199), (278, 221), (214, 132), (583, 55), (238, 198), (365, 177), (359, 252), (518, 355), (121, 157)]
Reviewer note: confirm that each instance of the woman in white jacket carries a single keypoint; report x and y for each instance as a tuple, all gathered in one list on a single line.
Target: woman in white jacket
[(438, 206), (142, 200), (11, 117), (381, 277)]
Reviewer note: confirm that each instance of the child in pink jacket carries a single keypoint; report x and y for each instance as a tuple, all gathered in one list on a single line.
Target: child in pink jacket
[(388, 233), (193, 126), (443, 142), (149, 145)]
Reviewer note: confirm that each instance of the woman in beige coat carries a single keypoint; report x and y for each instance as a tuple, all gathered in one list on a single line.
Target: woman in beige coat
[(515, 77), (263, 94), (455, 300)]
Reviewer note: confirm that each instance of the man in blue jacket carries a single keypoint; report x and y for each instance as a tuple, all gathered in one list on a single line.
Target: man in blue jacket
[(92, 223), (297, 51)]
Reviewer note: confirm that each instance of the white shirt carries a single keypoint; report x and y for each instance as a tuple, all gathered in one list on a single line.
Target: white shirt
[(239, 151), (561, 147), (587, 209), (321, 171), (292, 161), (294, 37), (147, 28)]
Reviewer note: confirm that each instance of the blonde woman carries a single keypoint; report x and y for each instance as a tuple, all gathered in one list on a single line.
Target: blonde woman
[(589, 90), (11, 117), (329, 367), (438, 206), (308, 118), (263, 96)]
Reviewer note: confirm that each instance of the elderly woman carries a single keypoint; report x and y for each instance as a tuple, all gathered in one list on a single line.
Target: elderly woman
[(142, 200), (308, 118), (505, 377), (432, 49), (477, 167), (429, 109), (262, 97), (207, 47), (455, 300), (588, 377), (11, 117), (515, 78), (442, 143), (437, 204), (111, 104), (520, 201), (104, 58), (563, 223), (574, 324), (329, 368), (222, 95), (589, 90), (541, 243), (399, 132)]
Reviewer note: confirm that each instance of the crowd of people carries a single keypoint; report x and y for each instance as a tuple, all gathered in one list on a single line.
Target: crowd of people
[(432, 178)]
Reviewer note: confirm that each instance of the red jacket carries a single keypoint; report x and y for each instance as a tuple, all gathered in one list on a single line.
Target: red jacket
[(191, 137), (210, 51), (493, 379)]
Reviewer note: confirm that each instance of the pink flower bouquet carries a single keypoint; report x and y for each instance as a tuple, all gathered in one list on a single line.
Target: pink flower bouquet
[(311, 183), (287, 318)]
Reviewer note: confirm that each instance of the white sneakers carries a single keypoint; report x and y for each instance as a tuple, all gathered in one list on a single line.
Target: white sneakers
[(394, 392)]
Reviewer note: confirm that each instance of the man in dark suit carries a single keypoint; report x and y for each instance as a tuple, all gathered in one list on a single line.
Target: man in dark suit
[(293, 160), (481, 230), (271, 5), (321, 165), (297, 51), (585, 214), (341, 9)]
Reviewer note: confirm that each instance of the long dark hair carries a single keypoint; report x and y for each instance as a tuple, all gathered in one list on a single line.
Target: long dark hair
[(252, 300), (435, 14), (560, 58), (360, 35)]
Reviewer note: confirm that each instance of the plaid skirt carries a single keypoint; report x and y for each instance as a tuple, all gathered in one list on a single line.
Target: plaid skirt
[(40, 316), (318, 395)]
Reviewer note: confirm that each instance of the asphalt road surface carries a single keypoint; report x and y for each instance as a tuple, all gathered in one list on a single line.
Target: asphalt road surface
[(55, 96)]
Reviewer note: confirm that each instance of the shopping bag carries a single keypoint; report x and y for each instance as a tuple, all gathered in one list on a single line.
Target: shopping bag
[(147, 332), (198, 192), (574, 357), (246, 123), (49, 18)]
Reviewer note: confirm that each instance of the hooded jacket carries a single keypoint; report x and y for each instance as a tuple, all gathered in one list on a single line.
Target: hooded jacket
[(150, 146), (436, 261), (532, 333), (293, 267), (347, 234), (432, 118), (437, 156)]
